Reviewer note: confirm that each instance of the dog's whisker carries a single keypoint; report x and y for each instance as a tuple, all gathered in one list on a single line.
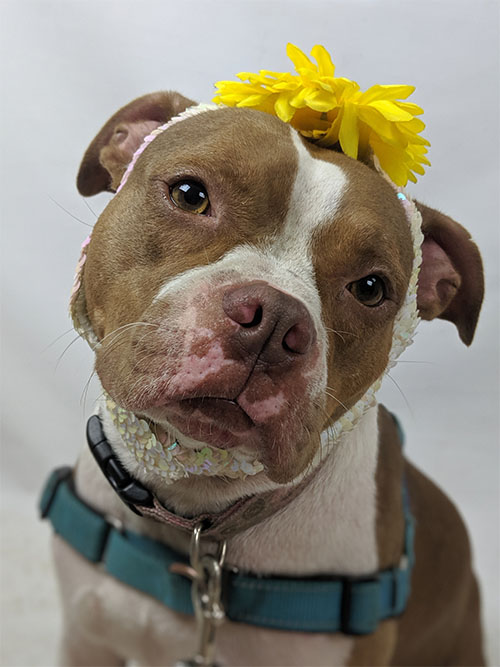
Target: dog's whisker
[(407, 361), (127, 326), (83, 396), (111, 345), (69, 213), (56, 339), (65, 350), (401, 392), (89, 207), (340, 332), (98, 398), (336, 399), (337, 333)]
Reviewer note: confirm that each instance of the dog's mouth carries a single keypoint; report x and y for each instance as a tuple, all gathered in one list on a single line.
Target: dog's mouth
[(217, 421)]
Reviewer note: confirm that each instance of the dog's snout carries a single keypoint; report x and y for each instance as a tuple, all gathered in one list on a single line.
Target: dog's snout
[(271, 323)]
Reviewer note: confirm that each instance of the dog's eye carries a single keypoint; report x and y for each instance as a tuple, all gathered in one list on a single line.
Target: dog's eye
[(190, 196), (370, 290)]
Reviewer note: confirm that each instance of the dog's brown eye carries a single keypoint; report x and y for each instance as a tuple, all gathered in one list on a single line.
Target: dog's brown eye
[(370, 290), (190, 196)]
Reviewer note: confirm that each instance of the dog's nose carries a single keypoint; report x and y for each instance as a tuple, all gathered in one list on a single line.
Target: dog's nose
[(271, 323)]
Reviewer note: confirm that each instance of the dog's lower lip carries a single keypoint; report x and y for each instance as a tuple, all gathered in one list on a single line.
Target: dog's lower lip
[(218, 421), (227, 413)]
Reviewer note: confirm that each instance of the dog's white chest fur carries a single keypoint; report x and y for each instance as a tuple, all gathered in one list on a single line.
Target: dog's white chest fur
[(329, 528)]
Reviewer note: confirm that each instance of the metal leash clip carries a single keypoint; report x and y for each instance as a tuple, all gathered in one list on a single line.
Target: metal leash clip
[(205, 571)]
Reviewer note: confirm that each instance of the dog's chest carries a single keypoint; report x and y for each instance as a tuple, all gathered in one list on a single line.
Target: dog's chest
[(329, 528)]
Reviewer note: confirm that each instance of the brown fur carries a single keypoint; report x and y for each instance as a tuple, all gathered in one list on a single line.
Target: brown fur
[(441, 623), (369, 235)]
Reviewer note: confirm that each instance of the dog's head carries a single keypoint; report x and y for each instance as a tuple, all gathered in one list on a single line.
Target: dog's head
[(244, 283)]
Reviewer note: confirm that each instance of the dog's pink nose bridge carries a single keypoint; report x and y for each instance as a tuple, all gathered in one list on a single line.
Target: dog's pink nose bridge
[(270, 321)]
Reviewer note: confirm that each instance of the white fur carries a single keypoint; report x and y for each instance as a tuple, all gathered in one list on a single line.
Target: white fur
[(315, 199), (336, 516)]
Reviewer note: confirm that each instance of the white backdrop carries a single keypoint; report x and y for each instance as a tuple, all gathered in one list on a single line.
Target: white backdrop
[(66, 67)]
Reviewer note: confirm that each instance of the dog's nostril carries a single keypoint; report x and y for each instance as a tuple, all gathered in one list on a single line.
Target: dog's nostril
[(297, 339), (256, 320), (285, 345)]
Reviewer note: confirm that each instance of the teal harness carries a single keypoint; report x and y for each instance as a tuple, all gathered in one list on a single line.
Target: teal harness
[(351, 605)]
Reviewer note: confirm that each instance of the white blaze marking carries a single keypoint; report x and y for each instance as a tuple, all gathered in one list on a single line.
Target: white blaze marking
[(315, 199)]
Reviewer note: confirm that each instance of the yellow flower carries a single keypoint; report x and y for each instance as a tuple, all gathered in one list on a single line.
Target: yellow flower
[(333, 110)]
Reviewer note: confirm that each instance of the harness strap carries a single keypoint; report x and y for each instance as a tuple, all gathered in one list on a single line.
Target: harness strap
[(351, 605)]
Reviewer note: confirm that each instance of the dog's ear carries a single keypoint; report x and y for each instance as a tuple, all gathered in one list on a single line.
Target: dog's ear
[(451, 281), (112, 149)]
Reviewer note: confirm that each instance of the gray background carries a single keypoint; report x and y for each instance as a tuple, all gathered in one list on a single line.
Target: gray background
[(66, 67)]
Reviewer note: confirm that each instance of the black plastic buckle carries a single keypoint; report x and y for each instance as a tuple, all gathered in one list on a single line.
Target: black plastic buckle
[(130, 491), (49, 493), (346, 626)]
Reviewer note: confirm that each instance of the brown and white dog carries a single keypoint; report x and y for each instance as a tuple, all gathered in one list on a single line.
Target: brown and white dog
[(259, 329)]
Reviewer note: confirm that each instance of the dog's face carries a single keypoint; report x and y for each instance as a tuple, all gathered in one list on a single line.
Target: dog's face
[(244, 285)]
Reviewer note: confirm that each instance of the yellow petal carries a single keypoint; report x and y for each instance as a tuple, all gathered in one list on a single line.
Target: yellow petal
[(283, 109), (345, 89), (331, 137), (321, 101), (285, 85), (414, 109), (349, 134), (243, 76), (251, 101), (415, 166), (308, 121), (322, 57), (386, 92), (380, 125), (390, 111), (298, 57), (298, 100), (391, 160), (413, 126)]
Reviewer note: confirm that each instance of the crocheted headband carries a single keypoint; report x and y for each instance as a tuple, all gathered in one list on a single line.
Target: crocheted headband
[(272, 92)]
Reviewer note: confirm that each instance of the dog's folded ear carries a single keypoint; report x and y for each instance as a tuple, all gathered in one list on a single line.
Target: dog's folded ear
[(451, 281), (112, 149)]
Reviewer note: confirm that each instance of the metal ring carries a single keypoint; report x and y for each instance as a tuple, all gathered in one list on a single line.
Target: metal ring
[(194, 550)]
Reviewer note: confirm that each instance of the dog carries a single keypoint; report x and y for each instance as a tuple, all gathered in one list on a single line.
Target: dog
[(242, 289)]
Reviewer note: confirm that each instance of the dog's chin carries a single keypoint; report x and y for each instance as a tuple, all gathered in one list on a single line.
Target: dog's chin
[(221, 423)]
